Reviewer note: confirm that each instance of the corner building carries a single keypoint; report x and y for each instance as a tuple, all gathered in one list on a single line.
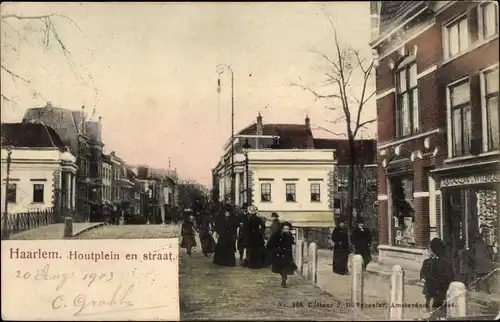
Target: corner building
[(437, 109)]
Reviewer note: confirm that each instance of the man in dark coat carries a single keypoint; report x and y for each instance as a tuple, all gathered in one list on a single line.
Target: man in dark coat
[(276, 225), (254, 239), (361, 239), (341, 251), (226, 227)]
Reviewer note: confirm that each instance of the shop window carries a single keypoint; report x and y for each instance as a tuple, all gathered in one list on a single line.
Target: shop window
[(403, 210)]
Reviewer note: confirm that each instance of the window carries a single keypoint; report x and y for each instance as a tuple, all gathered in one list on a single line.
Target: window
[(290, 192), (342, 185), (12, 193), (489, 17), (315, 192), (460, 114), (491, 108), (265, 192), (407, 101), (38, 193), (403, 213), (457, 37)]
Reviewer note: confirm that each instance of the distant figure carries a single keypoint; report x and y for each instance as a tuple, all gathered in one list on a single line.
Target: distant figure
[(481, 255), (437, 274), (362, 240), (280, 245), (241, 241), (188, 234), (341, 251), (276, 225), (205, 233), (226, 227)]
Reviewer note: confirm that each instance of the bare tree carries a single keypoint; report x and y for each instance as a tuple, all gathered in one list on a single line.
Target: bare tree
[(49, 35), (347, 106)]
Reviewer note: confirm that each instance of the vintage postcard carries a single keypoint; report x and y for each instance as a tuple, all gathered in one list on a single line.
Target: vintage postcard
[(250, 161)]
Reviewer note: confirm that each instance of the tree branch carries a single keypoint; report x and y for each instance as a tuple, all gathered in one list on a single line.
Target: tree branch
[(14, 75), (5, 98), (318, 96), (327, 130)]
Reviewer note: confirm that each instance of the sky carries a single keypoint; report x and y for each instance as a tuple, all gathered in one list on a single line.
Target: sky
[(149, 70)]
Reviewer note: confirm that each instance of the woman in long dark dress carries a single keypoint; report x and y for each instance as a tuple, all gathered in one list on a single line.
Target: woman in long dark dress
[(206, 239), (281, 246), (340, 241), (226, 226), (254, 239), (188, 234)]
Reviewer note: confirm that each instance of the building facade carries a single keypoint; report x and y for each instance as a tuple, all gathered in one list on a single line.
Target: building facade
[(42, 170), (437, 106), (107, 179)]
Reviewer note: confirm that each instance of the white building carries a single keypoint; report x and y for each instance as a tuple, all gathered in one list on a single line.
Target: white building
[(42, 171), (278, 169)]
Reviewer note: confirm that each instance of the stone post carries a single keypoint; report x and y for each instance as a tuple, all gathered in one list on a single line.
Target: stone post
[(457, 303), (312, 261), (396, 309), (299, 256), (68, 227), (357, 283)]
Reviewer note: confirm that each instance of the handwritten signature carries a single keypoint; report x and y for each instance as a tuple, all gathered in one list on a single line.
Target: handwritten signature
[(44, 274), (83, 303)]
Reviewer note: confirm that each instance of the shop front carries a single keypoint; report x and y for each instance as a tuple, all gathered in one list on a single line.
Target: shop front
[(470, 208)]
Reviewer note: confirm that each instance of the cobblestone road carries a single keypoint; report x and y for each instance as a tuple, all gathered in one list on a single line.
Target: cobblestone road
[(54, 231), (131, 232)]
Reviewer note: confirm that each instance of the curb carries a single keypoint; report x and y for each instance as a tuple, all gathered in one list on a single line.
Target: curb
[(88, 229)]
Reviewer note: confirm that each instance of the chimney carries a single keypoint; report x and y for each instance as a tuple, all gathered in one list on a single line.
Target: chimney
[(48, 105), (308, 122), (99, 134), (259, 124)]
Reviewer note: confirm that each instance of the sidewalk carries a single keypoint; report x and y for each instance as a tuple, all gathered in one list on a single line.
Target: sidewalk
[(377, 291), (54, 231)]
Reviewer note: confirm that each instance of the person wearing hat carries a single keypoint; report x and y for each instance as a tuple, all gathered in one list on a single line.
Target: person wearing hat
[(225, 249), (188, 234), (280, 244), (341, 249), (361, 239), (276, 225), (254, 239)]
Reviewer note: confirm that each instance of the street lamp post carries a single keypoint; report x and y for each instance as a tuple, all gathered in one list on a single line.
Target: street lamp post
[(220, 69), (246, 146), (6, 202)]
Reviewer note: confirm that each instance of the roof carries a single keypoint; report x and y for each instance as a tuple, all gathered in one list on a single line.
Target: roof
[(292, 136), (392, 12), (367, 149), (30, 135)]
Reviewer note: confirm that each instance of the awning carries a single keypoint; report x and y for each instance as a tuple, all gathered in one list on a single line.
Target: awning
[(319, 219)]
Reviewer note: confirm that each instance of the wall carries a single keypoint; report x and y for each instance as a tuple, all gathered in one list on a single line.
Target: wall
[(42, 166)]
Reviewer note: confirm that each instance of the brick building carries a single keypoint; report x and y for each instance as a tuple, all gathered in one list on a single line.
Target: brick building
[(437, 109)]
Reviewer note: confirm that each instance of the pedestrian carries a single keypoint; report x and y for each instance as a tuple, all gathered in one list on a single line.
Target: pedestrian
[(341, 249), (240, 241), (437, 274), (361, 239), (481, 255), (226, 227), (188, 234), (280, 245), (205, 233), (276, 225), (254, 239)]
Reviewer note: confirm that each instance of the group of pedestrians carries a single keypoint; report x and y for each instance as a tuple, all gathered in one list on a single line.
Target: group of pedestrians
[(244, 234)]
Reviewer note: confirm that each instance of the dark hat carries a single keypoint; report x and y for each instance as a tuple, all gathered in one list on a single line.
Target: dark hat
[(341, 219), (438, 247), (286, 223), (274, 215), (228, 208), (359, 220)]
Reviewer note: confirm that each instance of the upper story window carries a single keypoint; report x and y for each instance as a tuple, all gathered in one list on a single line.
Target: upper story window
[(489, 17), (456, 37), (490, 99), (38, 192), (265, 192), (315, 192), (407, 121), (460, 116), (290, 192)]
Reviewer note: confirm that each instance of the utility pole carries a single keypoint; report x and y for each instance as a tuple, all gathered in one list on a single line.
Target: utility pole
[(6, 205)]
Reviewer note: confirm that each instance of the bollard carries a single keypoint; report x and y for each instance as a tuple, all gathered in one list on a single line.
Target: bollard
[(68, 227), (357, 282), (457, 300), (305, 251), (313, 263), (396, 309), (299, 255)]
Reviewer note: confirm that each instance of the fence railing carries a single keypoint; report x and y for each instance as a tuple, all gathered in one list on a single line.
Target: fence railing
[(20, 222)]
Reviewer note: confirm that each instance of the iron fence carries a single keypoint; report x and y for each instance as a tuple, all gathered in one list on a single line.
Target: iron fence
[(20, 222)]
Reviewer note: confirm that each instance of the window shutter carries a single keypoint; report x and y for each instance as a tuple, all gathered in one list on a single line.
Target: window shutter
[(473, 24), (476, 114)]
